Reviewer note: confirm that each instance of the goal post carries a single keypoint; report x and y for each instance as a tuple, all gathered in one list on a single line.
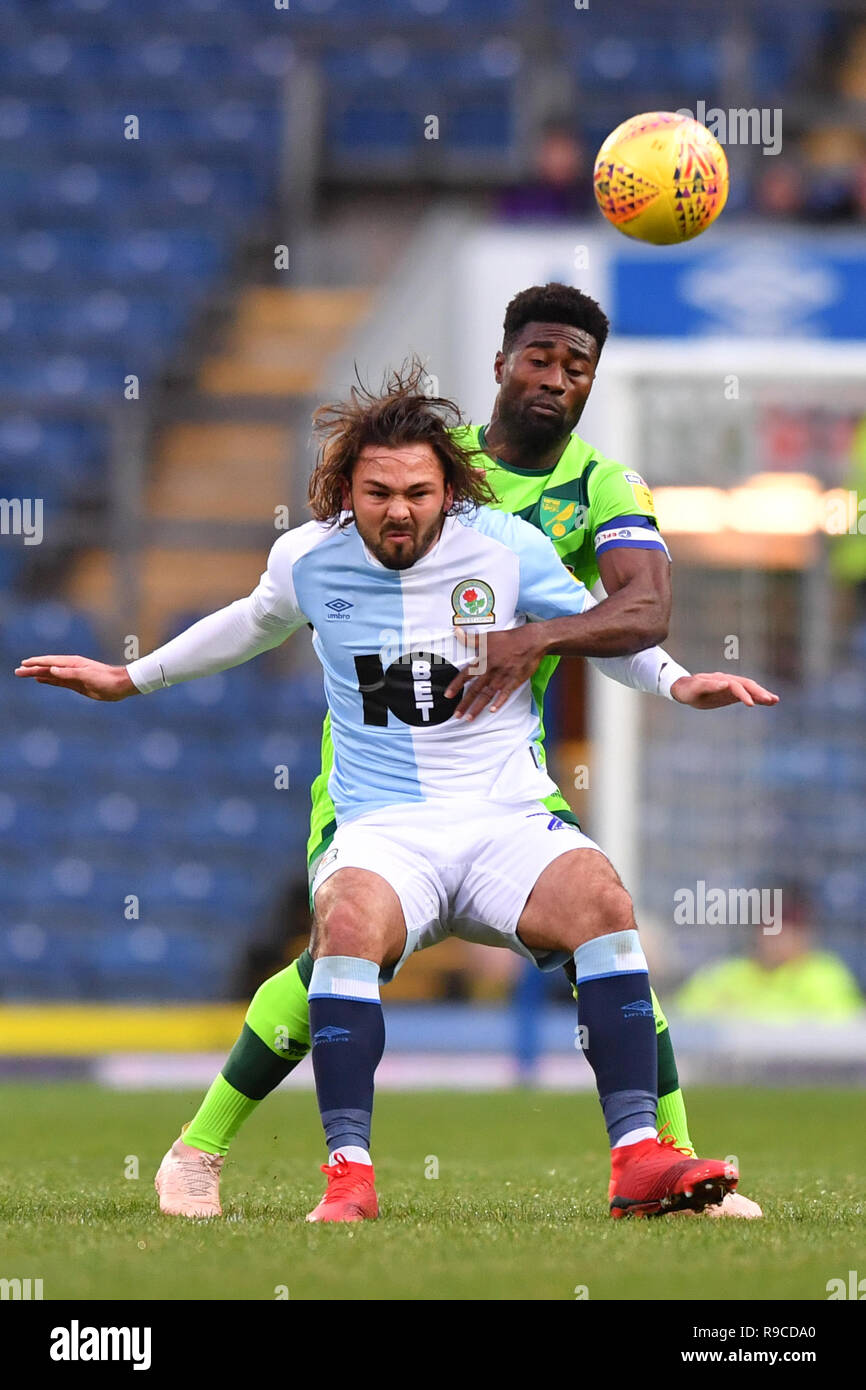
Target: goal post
[(746, 444)]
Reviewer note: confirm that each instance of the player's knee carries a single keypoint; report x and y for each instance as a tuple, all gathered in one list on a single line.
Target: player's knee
[(356, 915), (345, 929), (339, 934), (613, 911)]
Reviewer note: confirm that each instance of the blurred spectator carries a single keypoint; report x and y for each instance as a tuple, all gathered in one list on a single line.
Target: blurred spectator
[(823, 180), (833, 156), (781, 189), (560, 185), (851, 80), (786, 977)]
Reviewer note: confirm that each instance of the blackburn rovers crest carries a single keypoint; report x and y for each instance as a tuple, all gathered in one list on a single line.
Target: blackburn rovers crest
[(472, 602)]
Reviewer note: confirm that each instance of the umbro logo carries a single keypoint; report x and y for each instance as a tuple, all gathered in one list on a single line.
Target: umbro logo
[(553, 823), (638, 1008), (337, 609), (332, 1034)]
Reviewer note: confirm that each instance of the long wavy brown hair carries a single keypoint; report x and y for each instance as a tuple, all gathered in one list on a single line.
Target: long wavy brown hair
[(399, 413)]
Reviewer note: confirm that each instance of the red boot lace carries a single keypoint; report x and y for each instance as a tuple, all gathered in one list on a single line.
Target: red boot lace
[(342, 1181), (670, 1140)]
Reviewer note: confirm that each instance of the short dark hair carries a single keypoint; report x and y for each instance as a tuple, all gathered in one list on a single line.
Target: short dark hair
[(400, 412), (554, 303)]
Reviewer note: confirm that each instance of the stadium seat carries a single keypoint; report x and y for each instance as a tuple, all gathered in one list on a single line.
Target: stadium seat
[(47, 625)]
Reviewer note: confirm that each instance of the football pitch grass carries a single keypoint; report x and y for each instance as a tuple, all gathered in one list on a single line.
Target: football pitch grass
[(518, 1210)]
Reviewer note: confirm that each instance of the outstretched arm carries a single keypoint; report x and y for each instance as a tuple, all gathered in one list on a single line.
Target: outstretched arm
[(639, 578), (512, 657), (221, 640), (215, 643), (234, 634), (655, 673)]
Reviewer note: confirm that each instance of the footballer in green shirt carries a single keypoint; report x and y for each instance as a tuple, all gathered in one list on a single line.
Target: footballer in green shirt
[(601, 519)]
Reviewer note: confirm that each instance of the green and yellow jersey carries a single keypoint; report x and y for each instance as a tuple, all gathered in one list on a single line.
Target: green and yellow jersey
[(586, 504)]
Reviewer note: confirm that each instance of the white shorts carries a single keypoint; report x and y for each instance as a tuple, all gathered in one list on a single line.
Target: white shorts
[(463, 870)]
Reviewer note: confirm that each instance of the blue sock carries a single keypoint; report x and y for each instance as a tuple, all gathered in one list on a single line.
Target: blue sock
[(618, 1031), (348, 1034)]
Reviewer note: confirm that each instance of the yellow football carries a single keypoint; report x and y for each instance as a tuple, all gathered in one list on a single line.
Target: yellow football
[(661, 177)]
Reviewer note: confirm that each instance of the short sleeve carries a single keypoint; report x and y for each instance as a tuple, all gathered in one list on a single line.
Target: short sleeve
[(615, 491), (275, 595), (622, 511), (547, 588)]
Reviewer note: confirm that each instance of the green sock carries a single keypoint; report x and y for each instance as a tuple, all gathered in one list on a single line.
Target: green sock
[(274, 1039), (218, 1118), (672, 1106)]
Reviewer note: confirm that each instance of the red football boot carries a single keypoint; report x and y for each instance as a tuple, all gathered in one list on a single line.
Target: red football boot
[(647, 1180), (351, 1195)]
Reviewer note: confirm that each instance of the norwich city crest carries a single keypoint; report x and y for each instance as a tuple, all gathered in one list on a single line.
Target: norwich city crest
[(559, 515), (472, 602)]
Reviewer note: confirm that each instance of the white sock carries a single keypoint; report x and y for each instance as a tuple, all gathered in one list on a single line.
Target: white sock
[(635, 1136), (350, 1153)]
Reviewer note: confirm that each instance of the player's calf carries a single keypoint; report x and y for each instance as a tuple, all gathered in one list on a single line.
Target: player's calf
[(358, 927), (618, 1035)]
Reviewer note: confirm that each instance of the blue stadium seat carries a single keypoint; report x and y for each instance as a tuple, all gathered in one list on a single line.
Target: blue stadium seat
[(38, 961), (164, 254), (31, 490), (20, 881), (48, 625), (27, 439), (12, 562), (71, 377), (161, 963), (374, 124), (482, 124), (145, 254), (93, 324)]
